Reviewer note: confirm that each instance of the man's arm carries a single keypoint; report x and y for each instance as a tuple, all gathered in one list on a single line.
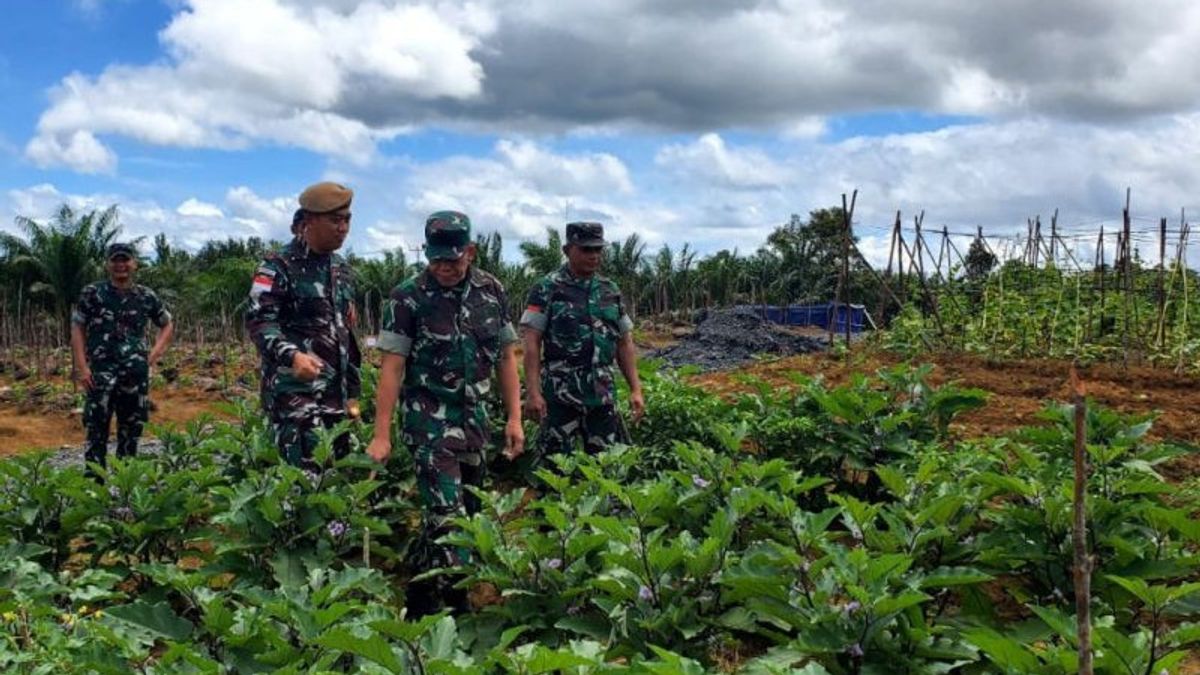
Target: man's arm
[(510, 391), (535, 401), (267, 295), (391, 376), (82, 371), (627, 361), (165, 335)]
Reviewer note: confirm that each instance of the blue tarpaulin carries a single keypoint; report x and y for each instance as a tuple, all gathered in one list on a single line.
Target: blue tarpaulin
[(816, 315)]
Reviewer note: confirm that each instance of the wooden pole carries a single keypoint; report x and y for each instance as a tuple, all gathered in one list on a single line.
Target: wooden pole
[(847, 235), (1083, 562), (1162, 290)]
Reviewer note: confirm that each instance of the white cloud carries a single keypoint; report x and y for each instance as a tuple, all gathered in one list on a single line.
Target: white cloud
[(267, 71), (195, 208), (77, 149), (336, 76), (709, 158), (191, 224)]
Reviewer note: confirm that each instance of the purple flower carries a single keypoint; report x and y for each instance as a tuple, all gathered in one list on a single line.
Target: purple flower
[(123, 513), (855, 650), (699, 482), (851, 607), (114, 491), (554, 563), (312, 476), (336, 528), (645, 594)]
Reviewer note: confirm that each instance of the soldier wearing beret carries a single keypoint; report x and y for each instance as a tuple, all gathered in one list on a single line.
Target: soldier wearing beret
[(108, 342), (575, 327), (444, 333), (300, 317)]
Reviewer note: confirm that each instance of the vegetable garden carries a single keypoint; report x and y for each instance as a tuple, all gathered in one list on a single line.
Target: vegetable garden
[(808, 528)]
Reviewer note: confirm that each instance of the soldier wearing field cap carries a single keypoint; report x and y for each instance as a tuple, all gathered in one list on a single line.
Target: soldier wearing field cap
[(300, 317), (445, 332), (108, 342), (575, 327)]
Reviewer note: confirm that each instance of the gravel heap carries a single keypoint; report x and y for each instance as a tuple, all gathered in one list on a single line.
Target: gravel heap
[(728, 338), (73, 455)]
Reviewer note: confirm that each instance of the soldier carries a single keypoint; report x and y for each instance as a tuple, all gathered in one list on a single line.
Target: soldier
[(300, 318), (444, 332), (574, 327), (108, 329)]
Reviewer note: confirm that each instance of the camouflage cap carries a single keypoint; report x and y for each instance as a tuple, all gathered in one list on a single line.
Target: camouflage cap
[(447, 235), (585, 234), (325, 197), (119, 249)]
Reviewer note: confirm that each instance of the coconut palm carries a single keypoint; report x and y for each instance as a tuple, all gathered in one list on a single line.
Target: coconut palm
[(57, 259)]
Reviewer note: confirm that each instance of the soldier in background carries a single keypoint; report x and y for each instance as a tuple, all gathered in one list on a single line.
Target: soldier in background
[(445, 331), (108, 343), (300, 318), (575, 327)]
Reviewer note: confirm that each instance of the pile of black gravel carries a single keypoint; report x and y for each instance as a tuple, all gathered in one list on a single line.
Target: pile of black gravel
[(728, 338)]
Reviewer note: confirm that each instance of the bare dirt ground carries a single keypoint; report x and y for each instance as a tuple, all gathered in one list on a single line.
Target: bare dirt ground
[(23, 428), (1019, 390)]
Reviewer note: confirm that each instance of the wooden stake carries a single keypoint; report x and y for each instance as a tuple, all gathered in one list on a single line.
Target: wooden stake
[(1083, 562)]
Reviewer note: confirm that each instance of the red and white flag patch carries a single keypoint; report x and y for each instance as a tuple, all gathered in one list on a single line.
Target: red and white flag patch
[(264, 281)]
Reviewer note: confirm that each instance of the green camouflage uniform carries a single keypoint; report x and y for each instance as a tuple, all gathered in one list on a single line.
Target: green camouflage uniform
[(581, 322), (300, 300), (114, 322), (452, 339)]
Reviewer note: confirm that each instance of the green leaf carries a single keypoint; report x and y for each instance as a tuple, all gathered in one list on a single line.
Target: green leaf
[(945, 577), (1004, 652), (374, 649), (156, 618)]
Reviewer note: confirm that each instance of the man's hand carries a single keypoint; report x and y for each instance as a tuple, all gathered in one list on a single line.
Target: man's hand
[(514, 439), (85, 378), (352, 409), (535, 406), (637, 404), (380, 449), (306, 367)]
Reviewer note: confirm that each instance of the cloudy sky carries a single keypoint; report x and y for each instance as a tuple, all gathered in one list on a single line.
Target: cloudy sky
[(706, 121)]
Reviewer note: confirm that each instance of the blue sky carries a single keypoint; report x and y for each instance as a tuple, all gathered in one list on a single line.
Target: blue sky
[(708, 123)]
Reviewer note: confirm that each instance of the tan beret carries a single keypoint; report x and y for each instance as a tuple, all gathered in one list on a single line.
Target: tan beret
[(325, 197)]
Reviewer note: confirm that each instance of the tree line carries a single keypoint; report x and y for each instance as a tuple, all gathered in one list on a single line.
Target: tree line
[(47, 263)]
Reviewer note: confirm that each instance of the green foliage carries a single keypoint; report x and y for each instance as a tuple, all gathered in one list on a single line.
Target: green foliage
[(808, 529)]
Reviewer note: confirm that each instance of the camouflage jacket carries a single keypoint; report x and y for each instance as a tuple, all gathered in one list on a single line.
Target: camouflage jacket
[(114, 322), (301, 300), (581, 322), (452, 340)]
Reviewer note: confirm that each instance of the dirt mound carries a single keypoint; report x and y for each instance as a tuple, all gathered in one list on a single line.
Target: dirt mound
[(728, 338)]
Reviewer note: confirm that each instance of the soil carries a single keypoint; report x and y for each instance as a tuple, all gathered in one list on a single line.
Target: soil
[(23, 429), (1019, 390)]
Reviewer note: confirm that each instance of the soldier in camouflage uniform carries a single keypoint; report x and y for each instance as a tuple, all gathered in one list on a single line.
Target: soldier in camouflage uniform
[(108, 328), (300, 318), (575, 326), (444, 333)]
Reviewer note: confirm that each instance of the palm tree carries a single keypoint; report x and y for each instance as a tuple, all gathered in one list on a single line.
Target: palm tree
[(374, 281), (59, 258), (623, 263), (544, 259)]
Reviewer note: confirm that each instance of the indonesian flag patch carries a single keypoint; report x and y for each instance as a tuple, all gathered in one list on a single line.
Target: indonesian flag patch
[(264, 281)]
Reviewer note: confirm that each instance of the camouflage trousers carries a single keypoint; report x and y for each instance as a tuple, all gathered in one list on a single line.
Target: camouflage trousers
[(127, 397), (296, 437), (442, 478), (567, 425)]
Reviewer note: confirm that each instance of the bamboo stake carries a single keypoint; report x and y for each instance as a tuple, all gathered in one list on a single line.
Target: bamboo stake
[(1083, 562)]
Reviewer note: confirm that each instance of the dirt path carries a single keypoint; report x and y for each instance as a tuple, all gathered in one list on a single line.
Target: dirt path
[(23, 428), (1019, 389)]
